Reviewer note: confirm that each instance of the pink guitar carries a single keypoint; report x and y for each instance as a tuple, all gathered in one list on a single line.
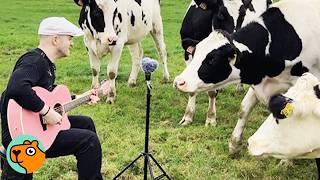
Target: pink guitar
[(22, 121)]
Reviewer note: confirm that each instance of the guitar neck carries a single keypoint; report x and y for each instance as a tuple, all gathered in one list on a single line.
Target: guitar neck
[(77, 102)]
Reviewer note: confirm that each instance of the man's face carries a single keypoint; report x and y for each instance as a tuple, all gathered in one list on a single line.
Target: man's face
[(64, 43)]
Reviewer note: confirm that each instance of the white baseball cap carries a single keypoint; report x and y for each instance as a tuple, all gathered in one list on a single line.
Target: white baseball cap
[(58, 26)]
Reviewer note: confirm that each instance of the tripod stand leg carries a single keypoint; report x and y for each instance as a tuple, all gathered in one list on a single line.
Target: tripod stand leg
[(149, 166), (129, 165), (162, 170)]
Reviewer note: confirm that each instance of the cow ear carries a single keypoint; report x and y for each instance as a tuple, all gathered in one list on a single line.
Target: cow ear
[(206, 4), (222, 13), (187, 42), (248, 4), (78, 2), (278, 104)]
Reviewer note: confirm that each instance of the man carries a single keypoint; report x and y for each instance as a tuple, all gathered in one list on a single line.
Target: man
[(36, 68)]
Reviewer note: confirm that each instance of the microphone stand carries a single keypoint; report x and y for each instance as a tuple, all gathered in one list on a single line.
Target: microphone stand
[(147, 156)]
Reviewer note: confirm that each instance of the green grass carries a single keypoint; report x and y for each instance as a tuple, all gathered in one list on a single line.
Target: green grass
[(193, 152)]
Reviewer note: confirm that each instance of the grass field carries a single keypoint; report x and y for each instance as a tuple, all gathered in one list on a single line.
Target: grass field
[(192, 152)]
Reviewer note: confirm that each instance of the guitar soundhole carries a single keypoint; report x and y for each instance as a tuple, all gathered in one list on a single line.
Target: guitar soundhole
[(58, 108)]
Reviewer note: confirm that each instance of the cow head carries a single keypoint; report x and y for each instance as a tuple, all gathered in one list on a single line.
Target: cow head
[(212, 65), (296, 135), (100, 16)]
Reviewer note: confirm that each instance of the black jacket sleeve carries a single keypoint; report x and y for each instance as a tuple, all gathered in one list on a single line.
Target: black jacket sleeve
[(20, 87)]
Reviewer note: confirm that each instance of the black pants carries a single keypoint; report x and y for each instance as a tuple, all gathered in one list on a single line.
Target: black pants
[(80, 140)]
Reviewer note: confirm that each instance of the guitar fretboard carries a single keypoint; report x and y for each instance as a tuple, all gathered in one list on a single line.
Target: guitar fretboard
[(77, 102)]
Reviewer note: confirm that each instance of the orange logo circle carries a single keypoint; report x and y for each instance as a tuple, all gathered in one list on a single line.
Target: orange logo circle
[(25, 154)]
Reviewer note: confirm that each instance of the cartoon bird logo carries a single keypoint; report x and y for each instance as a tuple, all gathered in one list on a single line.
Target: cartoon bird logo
[(28, 155)]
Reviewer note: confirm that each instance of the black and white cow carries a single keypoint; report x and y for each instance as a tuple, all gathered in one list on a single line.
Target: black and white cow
[(110, 24), (269, 53), (292, 130), (201, 18)]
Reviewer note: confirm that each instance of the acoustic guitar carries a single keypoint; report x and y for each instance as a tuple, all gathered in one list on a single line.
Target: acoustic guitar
[(22, 121)]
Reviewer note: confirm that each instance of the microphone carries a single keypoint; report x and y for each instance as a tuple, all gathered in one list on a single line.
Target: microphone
[(148, 65)]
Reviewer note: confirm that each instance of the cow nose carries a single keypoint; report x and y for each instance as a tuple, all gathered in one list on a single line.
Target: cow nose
[(112, 40), (16, 152), (179, 83)]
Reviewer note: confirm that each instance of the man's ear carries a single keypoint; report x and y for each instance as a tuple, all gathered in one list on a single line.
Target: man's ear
[(54, 40)]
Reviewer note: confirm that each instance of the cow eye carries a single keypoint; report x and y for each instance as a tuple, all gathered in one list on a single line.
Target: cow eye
[(30, 151)]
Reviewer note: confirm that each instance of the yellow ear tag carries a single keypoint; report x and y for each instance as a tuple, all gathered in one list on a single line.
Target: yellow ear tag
[(287, 110)]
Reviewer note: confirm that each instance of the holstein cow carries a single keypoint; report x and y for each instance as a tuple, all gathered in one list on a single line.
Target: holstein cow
[(292, 130), (201, 18), (110, 24), (269, 53)]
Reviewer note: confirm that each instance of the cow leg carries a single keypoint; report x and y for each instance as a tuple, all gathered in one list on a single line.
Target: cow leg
[(211, 116), (112, 70), (190, 110), (95, 67), (249, 101), (136, 52), (157, 34)]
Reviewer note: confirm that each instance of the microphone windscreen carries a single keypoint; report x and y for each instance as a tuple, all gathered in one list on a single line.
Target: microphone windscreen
[(148, 65)]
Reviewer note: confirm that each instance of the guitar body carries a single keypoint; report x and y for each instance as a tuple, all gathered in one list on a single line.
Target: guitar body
[(22, 121)]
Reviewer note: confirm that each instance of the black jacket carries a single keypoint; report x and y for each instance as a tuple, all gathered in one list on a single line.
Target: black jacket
[(32, 69)]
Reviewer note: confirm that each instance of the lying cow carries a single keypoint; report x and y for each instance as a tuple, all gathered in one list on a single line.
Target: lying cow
[(292, 131), (110, 24), (201, 18), (269, 53)]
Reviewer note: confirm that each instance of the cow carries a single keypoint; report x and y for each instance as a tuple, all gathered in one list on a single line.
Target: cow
[(201, 18), (108, 25), (269, 54), (292, 130)]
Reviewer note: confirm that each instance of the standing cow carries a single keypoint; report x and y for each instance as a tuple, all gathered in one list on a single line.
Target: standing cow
[(269, 53), (201, 18), (110, 24)]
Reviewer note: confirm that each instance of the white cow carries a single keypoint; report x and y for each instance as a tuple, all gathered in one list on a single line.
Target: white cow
[(110, 24), (292, 131), (296, 134), (269, 53)]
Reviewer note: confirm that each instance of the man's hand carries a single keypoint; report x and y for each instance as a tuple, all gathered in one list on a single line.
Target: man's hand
[(50, 116), (93, 96)]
